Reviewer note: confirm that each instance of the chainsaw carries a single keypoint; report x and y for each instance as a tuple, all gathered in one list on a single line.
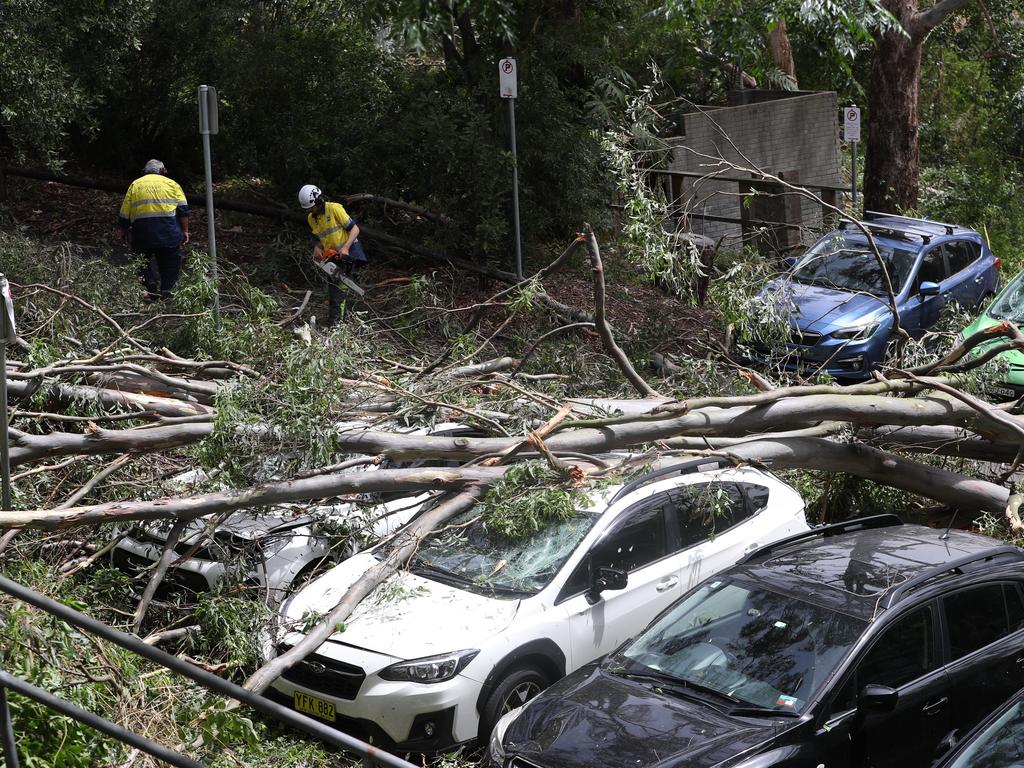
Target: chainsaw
[(330, 266)]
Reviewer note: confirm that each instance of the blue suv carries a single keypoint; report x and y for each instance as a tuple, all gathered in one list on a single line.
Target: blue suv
[(841, 322)]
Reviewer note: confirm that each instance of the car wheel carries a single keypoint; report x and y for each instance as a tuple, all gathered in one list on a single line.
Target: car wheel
[(516, 688)]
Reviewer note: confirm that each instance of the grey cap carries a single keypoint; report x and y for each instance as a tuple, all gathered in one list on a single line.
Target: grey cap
[(154, 166)]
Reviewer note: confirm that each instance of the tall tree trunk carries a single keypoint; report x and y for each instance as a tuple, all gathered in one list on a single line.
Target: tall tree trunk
[(892, 152), (892, 147)]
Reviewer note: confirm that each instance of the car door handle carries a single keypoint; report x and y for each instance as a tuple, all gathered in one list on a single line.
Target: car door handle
[(668, 583), (933, 708), (750, 548)]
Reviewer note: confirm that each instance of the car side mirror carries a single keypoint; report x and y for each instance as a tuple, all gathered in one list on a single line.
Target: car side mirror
[(790, 261), (928, 288), (877, 698), (605, 578)]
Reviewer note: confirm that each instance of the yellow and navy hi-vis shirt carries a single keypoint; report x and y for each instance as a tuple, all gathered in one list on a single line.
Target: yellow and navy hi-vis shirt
[(333, 227), (151, 209)]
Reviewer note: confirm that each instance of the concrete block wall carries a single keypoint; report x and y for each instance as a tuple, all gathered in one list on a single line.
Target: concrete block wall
[(798, 135)]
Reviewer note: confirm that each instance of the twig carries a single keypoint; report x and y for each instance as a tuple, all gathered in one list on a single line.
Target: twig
[(298, 312), (96, 479), (533, 347)]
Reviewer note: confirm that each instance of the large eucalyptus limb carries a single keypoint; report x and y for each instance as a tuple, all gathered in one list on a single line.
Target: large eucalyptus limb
[(303, 489), (862, 460)]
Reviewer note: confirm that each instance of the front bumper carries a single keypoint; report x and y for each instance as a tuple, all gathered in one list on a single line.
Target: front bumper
[(399, 716), (851, 360)]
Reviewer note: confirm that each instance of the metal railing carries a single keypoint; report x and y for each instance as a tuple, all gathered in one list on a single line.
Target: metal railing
[(372, 756)]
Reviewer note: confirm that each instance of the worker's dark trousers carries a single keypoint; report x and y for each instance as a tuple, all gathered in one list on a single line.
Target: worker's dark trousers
[(339, 298), (160, 271)]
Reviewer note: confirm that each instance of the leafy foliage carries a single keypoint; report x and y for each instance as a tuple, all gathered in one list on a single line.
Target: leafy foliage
[(527, 498)]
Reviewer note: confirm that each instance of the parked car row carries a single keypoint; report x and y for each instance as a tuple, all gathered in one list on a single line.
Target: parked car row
[(863, 643), (481, 623)]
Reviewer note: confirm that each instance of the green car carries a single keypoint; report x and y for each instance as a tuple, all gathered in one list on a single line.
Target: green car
[(1008, 305)]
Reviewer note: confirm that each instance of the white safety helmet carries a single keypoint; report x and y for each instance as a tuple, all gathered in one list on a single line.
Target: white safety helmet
[(309, 196)]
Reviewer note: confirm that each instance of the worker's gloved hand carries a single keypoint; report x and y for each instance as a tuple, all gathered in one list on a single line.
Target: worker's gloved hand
[(328, 255)]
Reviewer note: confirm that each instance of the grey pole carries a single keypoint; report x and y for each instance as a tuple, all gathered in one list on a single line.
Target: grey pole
[(853, 176), (7, 732), (210, 235), (96, 722), (515, 188)]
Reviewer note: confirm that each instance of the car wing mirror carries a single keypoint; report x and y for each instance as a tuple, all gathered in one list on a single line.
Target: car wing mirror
[(928, 288), (605, 578), (790, 262), (877, 698)]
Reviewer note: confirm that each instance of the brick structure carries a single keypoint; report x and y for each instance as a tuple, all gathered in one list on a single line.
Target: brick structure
[(794, 135)]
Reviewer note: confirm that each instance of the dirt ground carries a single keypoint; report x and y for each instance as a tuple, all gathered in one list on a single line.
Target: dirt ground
[(57, 212)]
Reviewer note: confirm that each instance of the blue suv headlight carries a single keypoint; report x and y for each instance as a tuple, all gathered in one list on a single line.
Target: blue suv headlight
[(429, 669), (856, 334)]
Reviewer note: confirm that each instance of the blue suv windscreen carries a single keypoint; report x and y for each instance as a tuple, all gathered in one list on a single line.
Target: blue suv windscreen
[(475, 555), (847, 263), (753, 647), (1010, 304)]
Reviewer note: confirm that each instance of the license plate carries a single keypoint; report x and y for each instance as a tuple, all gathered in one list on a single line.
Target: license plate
[(1006, 392), (311, 705)]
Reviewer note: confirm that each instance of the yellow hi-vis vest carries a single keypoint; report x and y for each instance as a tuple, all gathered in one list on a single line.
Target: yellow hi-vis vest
[(333, 227), (151, 208)]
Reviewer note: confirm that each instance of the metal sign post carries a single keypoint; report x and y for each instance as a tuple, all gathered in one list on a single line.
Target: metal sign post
[(208, 124), (851, 133), (507, 87), (8, 334)]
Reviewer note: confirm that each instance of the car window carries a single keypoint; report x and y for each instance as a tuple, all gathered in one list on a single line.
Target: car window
[(757, 496), (702, 509), (903, 652), (961, 254), (1000, 745), (979, 616), (933, 267), (635, 541), (763, 648)]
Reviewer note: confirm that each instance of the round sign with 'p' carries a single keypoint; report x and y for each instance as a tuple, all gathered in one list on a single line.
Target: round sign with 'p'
[(507, 78)]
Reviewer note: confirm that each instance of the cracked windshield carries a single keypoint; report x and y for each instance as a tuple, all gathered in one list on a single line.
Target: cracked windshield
[(473, 555)]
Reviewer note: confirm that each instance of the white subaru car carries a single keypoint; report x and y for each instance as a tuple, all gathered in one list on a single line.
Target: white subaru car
[(480, 623), (275, 548)]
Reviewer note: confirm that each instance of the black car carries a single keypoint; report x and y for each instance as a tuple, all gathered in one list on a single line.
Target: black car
[(868, 642), (998, 742)]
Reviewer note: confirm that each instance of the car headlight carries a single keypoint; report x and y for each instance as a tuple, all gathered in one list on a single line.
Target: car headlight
[(430, 669), (496, 747), (856, 334)]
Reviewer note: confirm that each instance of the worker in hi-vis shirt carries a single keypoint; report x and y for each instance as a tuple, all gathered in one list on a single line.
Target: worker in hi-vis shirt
[(337, 248), (154, 223)]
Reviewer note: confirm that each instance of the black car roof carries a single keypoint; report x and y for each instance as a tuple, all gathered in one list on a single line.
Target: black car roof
[(864, 571)]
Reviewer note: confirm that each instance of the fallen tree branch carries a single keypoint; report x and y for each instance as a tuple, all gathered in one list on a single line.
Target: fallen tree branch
[(601, 321), (158, 574), (267, 494)]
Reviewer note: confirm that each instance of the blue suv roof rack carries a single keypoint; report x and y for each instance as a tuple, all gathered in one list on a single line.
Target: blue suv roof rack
[(870, 215), (683, 467), (955, 566), (825, 531), (926, 237)]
